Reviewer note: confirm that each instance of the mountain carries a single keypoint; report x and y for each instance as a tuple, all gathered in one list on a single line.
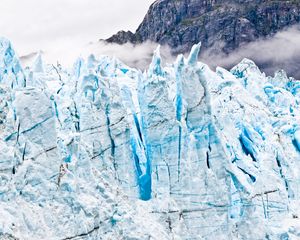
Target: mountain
[(104, 151), (222, 26), (182, 23)]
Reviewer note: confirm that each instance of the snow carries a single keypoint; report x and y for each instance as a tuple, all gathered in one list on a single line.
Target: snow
[(104, 151)]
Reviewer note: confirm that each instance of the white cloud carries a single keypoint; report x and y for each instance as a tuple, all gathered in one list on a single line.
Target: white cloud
[(138, 56), (281, 51)]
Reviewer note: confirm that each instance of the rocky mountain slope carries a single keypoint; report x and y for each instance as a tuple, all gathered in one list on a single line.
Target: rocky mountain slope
[(225, 23), (103, 151)]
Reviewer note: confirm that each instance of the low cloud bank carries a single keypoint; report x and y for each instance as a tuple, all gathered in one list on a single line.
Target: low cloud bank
[(281, 51), (138, 56)]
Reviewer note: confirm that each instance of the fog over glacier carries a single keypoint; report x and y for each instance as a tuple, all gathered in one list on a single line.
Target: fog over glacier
[(281, 51)]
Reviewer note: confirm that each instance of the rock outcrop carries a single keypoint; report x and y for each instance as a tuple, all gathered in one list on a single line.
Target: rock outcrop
[(223, 24)]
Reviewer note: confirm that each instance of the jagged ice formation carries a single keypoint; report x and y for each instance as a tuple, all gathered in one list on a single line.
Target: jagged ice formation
[(104, 151)]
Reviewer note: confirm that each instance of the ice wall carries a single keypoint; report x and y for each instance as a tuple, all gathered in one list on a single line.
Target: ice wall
[(177, 152)]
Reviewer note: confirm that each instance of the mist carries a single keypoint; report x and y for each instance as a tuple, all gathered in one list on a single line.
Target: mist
[(281, 51), (137, 56)]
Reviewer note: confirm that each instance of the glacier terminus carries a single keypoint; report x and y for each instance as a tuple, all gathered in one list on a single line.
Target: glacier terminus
[(179, 151)]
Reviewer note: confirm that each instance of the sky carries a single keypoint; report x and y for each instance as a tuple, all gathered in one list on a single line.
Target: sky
[(34, 25)]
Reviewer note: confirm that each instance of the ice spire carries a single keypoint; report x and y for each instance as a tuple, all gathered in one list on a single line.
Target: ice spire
[(91, 61), (38, 63), (155, 66), (78, 67), (193, 57), (11, 72)]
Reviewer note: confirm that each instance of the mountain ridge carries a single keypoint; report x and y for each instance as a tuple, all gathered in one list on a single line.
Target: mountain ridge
[(180, 24)]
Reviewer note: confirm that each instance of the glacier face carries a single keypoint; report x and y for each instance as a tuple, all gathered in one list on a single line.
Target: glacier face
[(104, 151)]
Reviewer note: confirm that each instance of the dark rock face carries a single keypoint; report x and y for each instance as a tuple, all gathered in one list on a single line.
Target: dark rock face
[(122, 37), (223, 24)]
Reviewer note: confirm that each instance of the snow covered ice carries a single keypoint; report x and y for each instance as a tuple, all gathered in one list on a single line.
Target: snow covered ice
[(104, 151)]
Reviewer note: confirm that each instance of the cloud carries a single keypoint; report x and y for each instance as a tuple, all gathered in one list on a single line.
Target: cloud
[(138, 56), (281, 51)]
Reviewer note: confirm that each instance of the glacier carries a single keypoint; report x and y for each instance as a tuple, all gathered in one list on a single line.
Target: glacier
[(179, 151)]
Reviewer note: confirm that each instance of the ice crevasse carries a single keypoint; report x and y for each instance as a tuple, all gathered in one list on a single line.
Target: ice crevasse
[(105, 151)]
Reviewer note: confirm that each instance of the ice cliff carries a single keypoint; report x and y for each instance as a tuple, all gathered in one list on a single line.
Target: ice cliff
[(104, 151)]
